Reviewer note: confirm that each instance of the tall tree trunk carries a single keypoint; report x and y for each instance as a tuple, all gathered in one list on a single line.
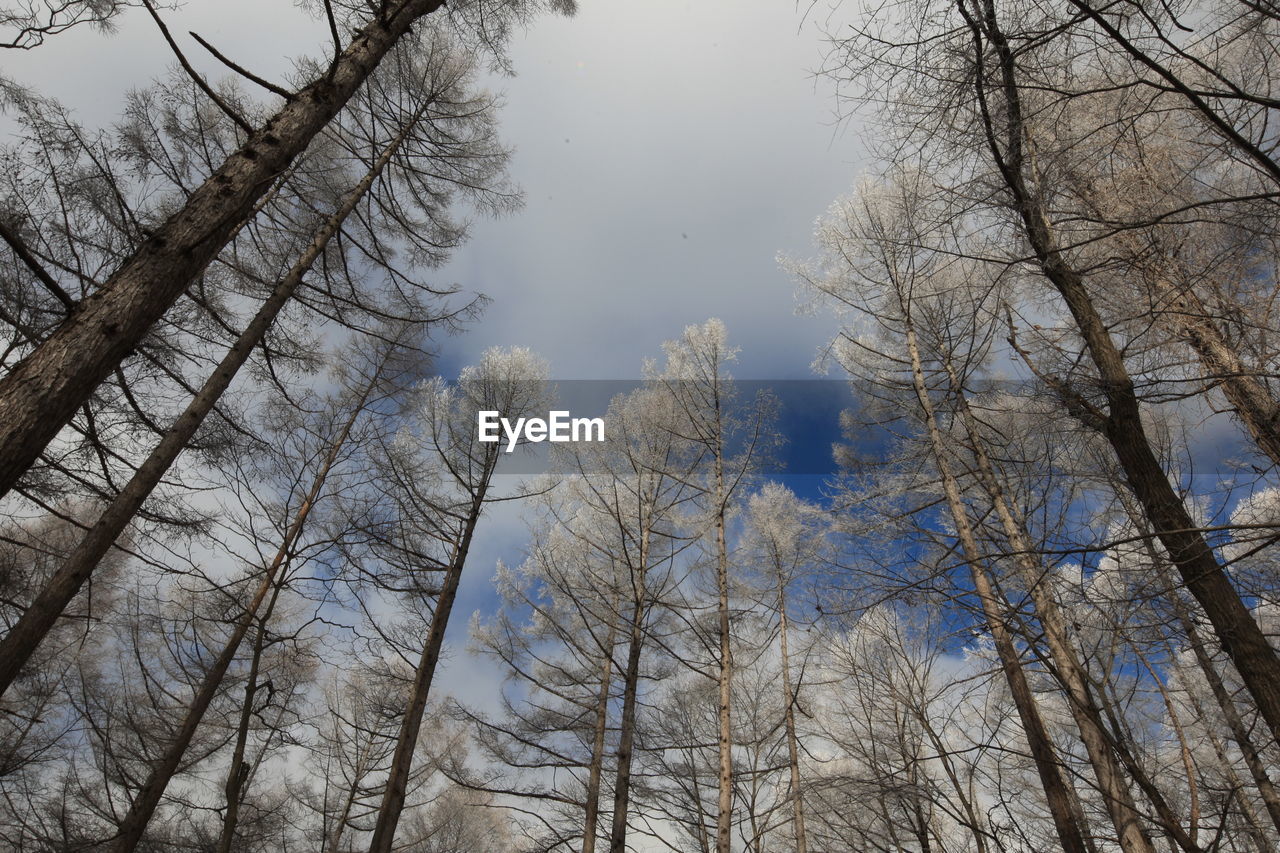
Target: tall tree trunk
[(1182, 309), (1184, 748), (42, 392), (393, 796), (238, 772), (630, 691), (1253, 403), (131, 827), (1241, 637), (39, 618), (789, 721), (1064, 804), (724, 779), (1068, 668), (1227, 767), (596, 771), (344, 816), (1253, 760), (1222, 697)]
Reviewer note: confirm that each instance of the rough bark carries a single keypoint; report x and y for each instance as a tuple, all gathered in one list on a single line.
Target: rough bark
[(42, 392)]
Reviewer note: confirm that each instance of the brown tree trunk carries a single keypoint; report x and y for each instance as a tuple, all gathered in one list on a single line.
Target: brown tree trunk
[(630, 690), (1253, 760), (44, 390), (393, 796), (1064, 805), (238, 772), (724, 803), (39, 618), (591, 818), (335, 838), (1190, 319), (131, 827), (1252, 401), (1070, 672), (789, 721), (1241, 637)]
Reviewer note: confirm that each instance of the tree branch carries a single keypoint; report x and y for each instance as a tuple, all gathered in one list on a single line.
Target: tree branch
[(269, 86), (24, 254), (195, 77)]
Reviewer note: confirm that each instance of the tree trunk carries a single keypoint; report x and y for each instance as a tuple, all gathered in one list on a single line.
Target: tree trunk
[(42, 392), (1241, 637), (238, 772), (724, 802), (630, 689), (1252, 401), (39, 618), (1070, 672), (596, 771), (1064, 805), (789, 721), (1236, 726), (1183, 310), (144, 804), (393, 796)]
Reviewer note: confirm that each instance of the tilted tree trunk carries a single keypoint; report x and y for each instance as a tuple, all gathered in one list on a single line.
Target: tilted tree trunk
[(1253, 760), (39, 618), (1236, 629), (1185, 313), (1261, 842), (1063, 802), (131, 827), (393, 796), (1069, 670), (1253, 403), (1090, 715), (42, 392), (344, 817)]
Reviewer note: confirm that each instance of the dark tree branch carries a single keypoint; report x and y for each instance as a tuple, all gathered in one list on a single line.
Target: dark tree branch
[(24, 254), (243, 72), (194, 75)]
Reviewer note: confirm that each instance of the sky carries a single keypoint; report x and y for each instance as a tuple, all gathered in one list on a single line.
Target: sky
[(668, 152)]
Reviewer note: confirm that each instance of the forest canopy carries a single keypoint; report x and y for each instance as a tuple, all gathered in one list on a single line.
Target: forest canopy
[(1031, 602)]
